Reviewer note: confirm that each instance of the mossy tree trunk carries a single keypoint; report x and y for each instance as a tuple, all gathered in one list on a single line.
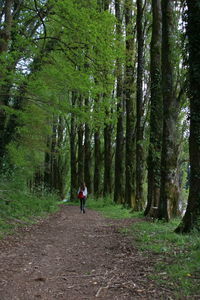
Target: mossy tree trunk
[(97, 155), (107, 185), (61, 163), (5, 37), (119, 152), (97, 164), (168, 192), (73, 156), (106, 4), (139, 100), (88, 156), (5, 32), (54, 159), (54, 154), (80, 147), (156, 111), (130, 108), (191, 219), (108, 129), (47, 164)]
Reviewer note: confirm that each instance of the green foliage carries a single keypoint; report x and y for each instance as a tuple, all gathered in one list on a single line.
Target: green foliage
[(19, 207), (27, 149), (178, 255), (82, 57), (72, 49), (85, 37)]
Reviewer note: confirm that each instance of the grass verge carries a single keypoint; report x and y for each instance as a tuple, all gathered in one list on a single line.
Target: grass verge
[(177, 264), (111, 210), (178, 256), (108, 208)]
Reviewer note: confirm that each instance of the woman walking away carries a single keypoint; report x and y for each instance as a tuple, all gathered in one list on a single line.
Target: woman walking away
[(82, 195)]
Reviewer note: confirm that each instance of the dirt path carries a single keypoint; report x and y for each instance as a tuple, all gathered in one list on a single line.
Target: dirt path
[(73, 256)]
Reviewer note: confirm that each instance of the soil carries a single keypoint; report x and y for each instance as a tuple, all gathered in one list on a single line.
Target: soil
[(74, 256)]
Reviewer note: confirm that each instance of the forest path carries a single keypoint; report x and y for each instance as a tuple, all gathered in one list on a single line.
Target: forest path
[(73, 256)]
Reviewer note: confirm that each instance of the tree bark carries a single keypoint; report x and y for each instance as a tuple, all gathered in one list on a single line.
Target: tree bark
[(73, 159), (103, 4), (191, 219), (168, 191), (156, 111), (130, 109), (107, 160), (97, 165), (61, 158), (119, 152), (5, 36), (80, 154), (47, 165), (5, 32), (139, 126), (88, 156), (54, 154), (106, 5)]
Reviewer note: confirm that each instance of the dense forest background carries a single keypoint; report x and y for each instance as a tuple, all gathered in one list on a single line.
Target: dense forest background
[(105, 92)]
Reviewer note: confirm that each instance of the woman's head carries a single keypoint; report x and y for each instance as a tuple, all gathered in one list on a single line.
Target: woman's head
[(82, 186)]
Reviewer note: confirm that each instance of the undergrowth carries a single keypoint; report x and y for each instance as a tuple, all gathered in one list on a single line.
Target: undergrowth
[(19, 207)]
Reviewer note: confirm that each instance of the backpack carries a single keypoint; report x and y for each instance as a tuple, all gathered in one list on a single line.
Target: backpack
[(80, 194)]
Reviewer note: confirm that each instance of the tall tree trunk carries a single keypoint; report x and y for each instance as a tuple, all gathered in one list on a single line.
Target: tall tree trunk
[(99, 5), (130, 109), (119, 152), (103, 4), (97, 156), (107, 190), (139, 126), (38, 181), (61, 161), (106, 4), (47, 165), (88, 156), (5, 32), (51, 176), (168, 191), (73, 160), (80, 154), (54, 165), (81, 151), (192, 216), (156, 109), (54, 153), (97, 164), (5, 36), (107, 181)]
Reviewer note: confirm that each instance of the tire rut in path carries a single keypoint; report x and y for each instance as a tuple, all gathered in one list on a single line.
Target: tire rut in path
[(72, 256)]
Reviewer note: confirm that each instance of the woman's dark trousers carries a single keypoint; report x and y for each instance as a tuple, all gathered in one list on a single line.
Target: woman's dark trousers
[(82, 204)]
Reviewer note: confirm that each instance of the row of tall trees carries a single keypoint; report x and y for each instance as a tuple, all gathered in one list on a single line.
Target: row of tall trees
[(96, 92)]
